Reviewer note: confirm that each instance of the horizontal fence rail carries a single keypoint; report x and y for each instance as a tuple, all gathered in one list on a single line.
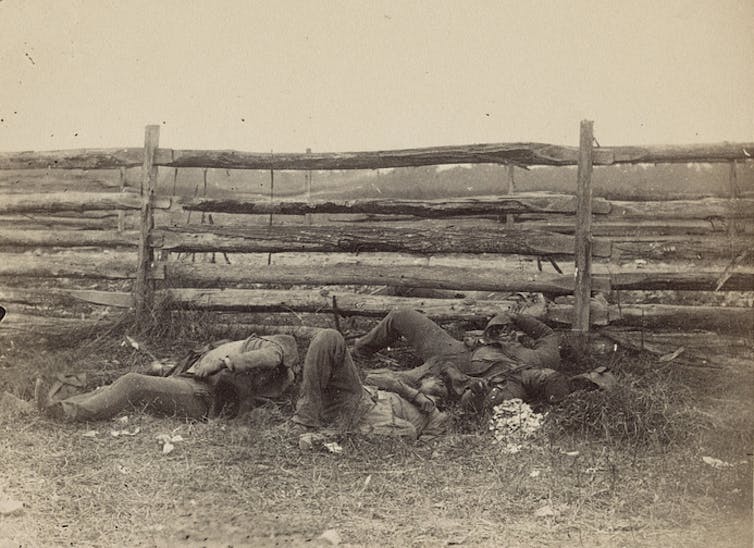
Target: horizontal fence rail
[(679, 244), (427, 208), (361, 239), (523, 154), (74, 201)]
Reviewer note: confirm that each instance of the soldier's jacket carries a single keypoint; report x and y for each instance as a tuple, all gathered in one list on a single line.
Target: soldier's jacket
[(492, 358), (494, 361), (262, 367)]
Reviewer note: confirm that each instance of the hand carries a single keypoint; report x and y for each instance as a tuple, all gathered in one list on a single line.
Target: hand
[(207, 368), (424, 403), (479, 387)]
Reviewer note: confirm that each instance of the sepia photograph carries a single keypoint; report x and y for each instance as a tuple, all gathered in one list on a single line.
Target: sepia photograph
[(400, 273)]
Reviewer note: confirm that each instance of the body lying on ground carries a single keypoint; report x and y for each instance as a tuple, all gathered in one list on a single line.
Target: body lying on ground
[(224, 377), (332, 395), (483, 372)]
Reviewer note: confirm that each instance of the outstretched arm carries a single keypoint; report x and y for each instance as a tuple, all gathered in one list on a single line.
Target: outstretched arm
[(267, 357), (545, 352), (387, 381)]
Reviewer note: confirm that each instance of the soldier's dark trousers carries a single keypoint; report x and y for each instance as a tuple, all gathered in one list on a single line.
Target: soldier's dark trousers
[(331, 390)]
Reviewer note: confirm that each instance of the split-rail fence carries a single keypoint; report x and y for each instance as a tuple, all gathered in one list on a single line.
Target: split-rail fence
[(582, 245)]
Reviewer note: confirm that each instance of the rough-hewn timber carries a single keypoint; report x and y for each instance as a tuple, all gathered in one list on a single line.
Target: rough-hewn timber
[(54, 202), (425, 241), (348, 303), (740, 280), (519, 203), (730, 319), (503, 153), (739, 320), (68, 238), (636, 227), (677, 248), (436, 277), (705, 208), (89, 267), (73, 159)]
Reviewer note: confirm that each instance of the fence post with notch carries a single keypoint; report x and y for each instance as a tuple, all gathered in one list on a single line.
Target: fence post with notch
[(142, 290), (583, 250)]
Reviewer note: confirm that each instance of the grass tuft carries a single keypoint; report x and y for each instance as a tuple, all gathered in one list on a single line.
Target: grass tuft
[(649, 410)]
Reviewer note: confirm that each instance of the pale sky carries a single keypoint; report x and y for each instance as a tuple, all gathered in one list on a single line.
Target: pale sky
[(342, 75)]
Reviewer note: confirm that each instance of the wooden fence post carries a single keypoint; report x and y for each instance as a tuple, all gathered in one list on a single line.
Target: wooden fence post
[(583, 249), (142, 290)]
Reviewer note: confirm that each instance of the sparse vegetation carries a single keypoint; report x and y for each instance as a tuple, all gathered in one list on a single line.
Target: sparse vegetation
[(613, 469)]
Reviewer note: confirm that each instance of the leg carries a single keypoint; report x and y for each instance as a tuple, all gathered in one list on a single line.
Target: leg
[(160, 395), (330, 387), (426, 337)]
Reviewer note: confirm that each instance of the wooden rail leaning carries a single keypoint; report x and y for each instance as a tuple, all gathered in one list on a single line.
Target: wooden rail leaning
[(524, 154)]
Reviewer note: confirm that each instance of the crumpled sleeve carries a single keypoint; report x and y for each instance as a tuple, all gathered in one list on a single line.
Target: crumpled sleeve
[(546, 351), (274, 351), (387, 381)]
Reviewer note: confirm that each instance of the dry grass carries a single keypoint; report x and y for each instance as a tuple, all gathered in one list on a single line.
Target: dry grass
[(637, 479)]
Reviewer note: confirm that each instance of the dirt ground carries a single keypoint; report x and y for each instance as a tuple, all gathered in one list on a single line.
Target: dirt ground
[(245, 482)]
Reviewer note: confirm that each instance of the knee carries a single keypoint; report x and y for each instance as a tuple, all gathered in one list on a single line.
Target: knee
[(129, 380), (402, 314), (328, 337), (328, 340)]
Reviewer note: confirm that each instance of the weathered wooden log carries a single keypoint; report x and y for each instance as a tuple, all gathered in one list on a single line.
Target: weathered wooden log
[(655, 154), (73, 201), (728, 319), (437, 277), (739, 320), (68, 238), (503, 153), (741, 280), (44, 181), (48, 326), (696, 348), (519, 203), (73, 159), (583, 235), (677, 248), (684, 209), (104, 298), (60, 223), (634, 227), (142, 288), (425, 241), (93, 267), (35, 297), (348, 303)]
